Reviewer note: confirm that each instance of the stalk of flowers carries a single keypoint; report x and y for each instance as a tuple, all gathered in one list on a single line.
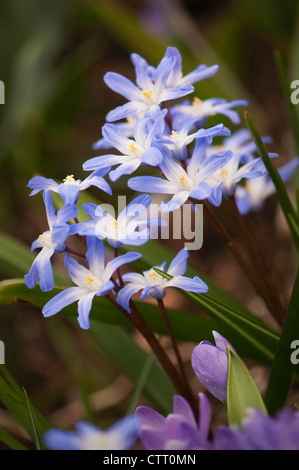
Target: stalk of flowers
[(175, 141), (93, 275)]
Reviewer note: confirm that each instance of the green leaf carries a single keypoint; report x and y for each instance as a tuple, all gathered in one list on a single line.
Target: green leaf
[(186, 326), (13, 398), (10, 441), (143, 377), (242, 392), (282, 368), (285, 202), (35, 427)]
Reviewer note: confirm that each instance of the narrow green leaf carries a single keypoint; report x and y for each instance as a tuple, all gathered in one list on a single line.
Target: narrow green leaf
[(186, 326), (35, 428), (242, 392), (143, 377), (282, 368), (285, 202), (13, 398), (10, 441)]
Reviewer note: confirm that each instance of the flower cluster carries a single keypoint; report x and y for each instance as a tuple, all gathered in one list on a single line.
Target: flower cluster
[(146, 131), (187, 161)]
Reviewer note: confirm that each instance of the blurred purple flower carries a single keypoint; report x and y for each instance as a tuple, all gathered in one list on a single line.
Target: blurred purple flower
[(210, 364), (179, 430), (261, 432)]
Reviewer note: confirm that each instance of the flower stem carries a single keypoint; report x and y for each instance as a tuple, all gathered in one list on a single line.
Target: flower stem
[(261, 267), (242, 261), (173, 340), (121, 282), (75, 252), (140, 324)]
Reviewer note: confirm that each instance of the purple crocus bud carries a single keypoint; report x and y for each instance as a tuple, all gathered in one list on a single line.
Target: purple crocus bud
[(210, 364), (177, 431)]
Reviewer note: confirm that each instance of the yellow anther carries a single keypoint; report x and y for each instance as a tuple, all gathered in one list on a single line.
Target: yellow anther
[(115, 222), (183, 179), (224, 172), (132, 147), (174, 135), (147, 93), (88, 279), (219, 148), (69, 179), (41, 238), (154, 275), (196, 102)]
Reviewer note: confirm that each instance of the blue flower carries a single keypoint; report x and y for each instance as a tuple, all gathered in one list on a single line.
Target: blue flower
[(195, 113), (131, 227), (125, 128), (120, 436), (70, 188), (141, 150), (178, 139), (51, 241), (92, 281), (152, 284), (151, 89), (192, 183), (176, 77), (241, 144), (252, 195)]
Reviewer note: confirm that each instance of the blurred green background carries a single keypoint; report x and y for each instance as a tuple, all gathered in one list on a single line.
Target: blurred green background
[(53, 55)]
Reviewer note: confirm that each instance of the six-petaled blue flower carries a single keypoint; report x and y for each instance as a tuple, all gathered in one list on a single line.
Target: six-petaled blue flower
[(153, 284), (91, 281), (120, 436)]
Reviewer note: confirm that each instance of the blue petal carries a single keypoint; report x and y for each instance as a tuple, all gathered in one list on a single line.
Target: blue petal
[(114, 264), (84, 307), (95, 255), (151, 184), (122, 85), (152, 156), (63, 299), (178, 265), (195, 285), (69, 193), (132, 108), (135, 208), (50, 209), (125, 295), (126, 428), (39, 183), (126, 168)]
